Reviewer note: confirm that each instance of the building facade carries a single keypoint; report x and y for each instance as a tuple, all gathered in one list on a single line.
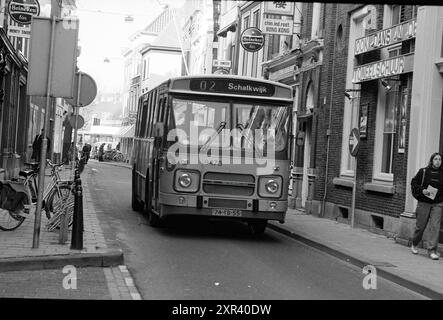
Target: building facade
[(373, 68)]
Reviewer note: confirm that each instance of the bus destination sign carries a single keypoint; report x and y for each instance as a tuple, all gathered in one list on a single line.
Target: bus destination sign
[(232, 86)]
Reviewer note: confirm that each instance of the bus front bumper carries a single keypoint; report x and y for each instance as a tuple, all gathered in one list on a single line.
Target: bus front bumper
[(183, 204)]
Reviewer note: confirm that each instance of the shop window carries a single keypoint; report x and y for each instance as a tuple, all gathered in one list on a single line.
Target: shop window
[(388, 132), (351, 105)]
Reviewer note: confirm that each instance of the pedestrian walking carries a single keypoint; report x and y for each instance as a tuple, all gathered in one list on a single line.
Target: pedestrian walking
[(427, 188), (87, 151), (37, 146)]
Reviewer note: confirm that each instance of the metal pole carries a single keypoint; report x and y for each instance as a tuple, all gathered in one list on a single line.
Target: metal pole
[(76, 111), (41, 180), (354, 191)]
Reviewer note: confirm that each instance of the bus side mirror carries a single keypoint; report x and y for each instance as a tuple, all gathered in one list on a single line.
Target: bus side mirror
[(159, 129)]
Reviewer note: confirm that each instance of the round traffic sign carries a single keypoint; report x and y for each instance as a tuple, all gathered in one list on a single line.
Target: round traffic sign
[(252, 39), (354, 142), (22, 11), (88, 90), (80, 122)]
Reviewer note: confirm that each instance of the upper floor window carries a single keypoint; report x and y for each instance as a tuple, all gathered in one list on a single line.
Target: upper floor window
[(316, 30)]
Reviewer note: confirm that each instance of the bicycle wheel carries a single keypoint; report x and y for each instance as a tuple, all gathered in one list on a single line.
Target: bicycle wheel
[(54, 199), (11, 220)]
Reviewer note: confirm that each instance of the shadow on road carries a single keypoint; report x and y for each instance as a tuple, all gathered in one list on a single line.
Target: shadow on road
[(192, 227)]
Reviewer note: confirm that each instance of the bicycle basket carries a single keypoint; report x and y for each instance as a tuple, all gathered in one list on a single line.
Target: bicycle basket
[(12, 194)]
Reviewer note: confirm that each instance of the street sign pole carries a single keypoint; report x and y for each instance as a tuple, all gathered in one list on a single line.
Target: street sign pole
[(76, 112), (44, 147), (354, 191)]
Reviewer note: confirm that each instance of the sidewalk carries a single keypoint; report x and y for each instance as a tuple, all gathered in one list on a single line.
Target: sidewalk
[(393, 261), (16, 252)]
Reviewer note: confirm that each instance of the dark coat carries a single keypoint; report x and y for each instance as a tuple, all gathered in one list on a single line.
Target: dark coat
[(435, 180)]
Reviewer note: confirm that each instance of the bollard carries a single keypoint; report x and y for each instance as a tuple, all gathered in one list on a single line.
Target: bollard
[(77, 223)]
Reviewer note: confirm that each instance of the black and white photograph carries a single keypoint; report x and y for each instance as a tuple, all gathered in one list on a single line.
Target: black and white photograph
[(220, 158)]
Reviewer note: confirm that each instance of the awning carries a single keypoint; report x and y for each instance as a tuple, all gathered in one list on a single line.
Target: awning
[(229, 27), (104, 130), (127, 131)]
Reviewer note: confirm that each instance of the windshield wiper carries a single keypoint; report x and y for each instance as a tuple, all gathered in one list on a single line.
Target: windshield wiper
[(252, 142), (220, 127)]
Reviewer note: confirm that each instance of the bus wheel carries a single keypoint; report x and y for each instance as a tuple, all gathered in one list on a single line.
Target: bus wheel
[(136, 205), (257, 228), (153, 219)]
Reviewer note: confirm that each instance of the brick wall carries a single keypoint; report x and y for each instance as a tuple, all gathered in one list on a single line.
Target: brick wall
[(371, 201)]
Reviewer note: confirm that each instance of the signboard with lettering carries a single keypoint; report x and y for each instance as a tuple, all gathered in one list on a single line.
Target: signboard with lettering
[(252, 39), (221, 63), (232, 86), (22, 31), (279, 7), (22, 11), (384, 68), (277, 26), (386, 37)]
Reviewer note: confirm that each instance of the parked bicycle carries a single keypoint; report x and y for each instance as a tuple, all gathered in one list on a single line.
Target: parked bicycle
[(18, 197)]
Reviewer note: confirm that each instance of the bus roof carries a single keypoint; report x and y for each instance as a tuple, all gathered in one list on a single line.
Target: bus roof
[(229, 85)]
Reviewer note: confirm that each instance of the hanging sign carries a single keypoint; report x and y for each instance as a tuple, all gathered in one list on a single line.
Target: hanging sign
[(252, 39), (277, 26), (279, 7)]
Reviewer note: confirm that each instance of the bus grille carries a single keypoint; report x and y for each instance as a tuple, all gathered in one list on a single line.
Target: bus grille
[(228, 183), (227, 203)]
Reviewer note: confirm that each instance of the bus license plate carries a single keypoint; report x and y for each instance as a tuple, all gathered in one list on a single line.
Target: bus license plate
[(227, 212)]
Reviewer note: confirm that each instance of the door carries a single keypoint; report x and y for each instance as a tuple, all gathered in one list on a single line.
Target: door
[(306, 162)]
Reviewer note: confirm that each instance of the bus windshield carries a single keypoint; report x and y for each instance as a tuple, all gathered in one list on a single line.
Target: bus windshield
[(254, 124), (261, 124)]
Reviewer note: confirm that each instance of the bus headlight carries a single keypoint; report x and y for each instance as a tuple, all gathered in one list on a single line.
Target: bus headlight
[(270, 186), (187, 181)]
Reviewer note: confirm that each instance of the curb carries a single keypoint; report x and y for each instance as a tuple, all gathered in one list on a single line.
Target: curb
[(129, 281), (107, 259), (360, 262)]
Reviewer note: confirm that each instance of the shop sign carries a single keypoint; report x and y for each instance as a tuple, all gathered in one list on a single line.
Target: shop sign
[(384, 68), (252, 39), (19, 31), (279, 7), (221, 63), (277, 26), (386, 37), (22, 11)]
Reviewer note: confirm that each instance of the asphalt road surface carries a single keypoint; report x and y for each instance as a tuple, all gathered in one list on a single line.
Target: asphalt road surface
[(206, 259)]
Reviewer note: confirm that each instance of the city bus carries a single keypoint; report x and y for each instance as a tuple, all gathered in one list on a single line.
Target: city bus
[(213, 146)]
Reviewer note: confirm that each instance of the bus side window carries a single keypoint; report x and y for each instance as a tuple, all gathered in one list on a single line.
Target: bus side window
[(148, 120), (142, 125)]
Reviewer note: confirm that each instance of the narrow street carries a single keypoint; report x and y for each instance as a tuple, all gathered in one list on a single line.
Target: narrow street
[(195, 259)]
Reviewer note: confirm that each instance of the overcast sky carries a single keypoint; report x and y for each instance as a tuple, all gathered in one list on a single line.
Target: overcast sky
[(104, 33)]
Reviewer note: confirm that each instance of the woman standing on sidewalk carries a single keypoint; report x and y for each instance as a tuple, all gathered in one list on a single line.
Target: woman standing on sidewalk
[(427, 188)]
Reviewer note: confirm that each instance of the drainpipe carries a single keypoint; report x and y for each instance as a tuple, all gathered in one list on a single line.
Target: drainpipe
[(328, 132)]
